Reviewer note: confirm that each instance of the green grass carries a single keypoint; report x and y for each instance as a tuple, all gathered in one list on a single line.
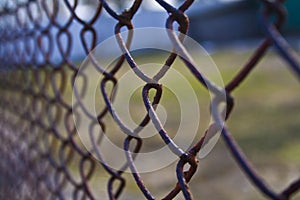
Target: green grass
[(267, 110), (266, 117), (264, 121)]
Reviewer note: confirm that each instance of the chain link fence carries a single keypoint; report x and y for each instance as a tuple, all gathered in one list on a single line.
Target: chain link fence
[(42, 155)]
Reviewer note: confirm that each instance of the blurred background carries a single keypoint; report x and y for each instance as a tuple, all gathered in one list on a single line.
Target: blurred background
[(266, 117), (213, 23)]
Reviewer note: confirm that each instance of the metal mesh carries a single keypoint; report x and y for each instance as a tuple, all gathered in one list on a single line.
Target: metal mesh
[(42, 156)]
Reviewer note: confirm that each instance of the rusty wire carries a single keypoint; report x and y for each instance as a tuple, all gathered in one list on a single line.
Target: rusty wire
[(34, 108)]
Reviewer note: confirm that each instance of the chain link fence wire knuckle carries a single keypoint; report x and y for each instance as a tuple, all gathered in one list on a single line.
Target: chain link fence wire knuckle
[(39, 140)]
